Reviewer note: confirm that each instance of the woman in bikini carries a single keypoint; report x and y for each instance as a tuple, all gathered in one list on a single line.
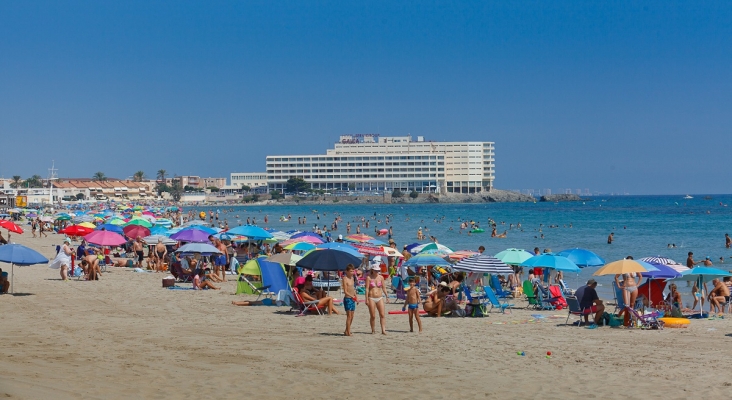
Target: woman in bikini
[(376, 297), (630, 287)]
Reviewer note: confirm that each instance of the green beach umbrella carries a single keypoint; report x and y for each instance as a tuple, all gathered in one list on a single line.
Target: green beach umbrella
[(514, 256), (140, 222)]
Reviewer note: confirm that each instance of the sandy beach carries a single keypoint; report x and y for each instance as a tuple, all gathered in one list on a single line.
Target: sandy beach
[(124, 336)]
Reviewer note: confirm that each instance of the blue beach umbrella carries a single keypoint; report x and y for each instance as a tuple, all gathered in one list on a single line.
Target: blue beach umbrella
[(701, 275), (328, 260), (423, 260), (15, 254), (582, 258), (253, 232), (551, 261), (659, 271), (340, 246), (111, 228)]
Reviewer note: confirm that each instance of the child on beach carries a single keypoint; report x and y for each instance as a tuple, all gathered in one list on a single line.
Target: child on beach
[(349, 297), (412, 303)]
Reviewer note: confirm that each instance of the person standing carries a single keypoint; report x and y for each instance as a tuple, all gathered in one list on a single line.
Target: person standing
[(376, 297), (727, 240), (63, 259), (349, 297), (690, 263), (137, 248), (610, 238), (412, 304)]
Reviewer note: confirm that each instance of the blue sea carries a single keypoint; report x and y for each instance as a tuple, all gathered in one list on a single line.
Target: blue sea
[(642, 225)]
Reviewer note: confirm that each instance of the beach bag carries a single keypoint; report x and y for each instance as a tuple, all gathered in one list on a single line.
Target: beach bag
[(459, 313)]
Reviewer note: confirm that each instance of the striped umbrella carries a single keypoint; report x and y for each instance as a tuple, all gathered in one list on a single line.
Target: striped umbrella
[(658, 260), (369, 250), (359, 237), (424, 260), (484, 264)]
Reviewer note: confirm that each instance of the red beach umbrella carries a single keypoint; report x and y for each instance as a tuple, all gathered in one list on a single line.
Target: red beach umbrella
[(134, 231), (76, 230), (10, 226)]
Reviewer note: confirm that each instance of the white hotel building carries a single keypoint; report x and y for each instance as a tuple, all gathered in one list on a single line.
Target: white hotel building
[(374, 163)]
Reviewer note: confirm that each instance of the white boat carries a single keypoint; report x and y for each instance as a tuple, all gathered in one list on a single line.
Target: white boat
[(688, 197)]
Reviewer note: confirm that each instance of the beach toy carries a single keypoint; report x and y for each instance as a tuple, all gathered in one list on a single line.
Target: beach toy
[(548, 353), (520, 353), (477, 230), (675, 322), (548, 357)]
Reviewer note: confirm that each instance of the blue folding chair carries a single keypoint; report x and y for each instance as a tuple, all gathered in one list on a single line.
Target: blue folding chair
[(493, 301), (502, 294)]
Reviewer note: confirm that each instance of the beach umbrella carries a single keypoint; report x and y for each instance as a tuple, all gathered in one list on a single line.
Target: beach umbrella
[(76, 230), (15, 254), (253, 232), (116, 221), (359, 237), (105, 238), (153, 239), (63, 217), (514, 256), (659, 271), (10, 226), (139, 222), (582, 258), (340, 246), (436, 247), (370, 250), (158, 230), (392, 252), (482, 263), (328, 260), (552, 261), (460, 254), (301, 234), (110, 228), (88, 225), (163, 222), (191, 235), (305, 246), (285, 258), (424, 260), (308, 239), (658, 260), (409, 247), (701, 275), (135, 231), (620, 267), (85, 218)]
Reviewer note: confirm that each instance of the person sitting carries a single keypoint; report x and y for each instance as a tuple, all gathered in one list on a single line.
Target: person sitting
[(718, 297), (674, 301), (590, 303), (214, 277), (4, 283), (315, 293), (435, 304), (200, 282), (326, 301)]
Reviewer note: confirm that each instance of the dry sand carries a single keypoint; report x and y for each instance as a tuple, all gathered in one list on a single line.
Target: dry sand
[(126, 337)]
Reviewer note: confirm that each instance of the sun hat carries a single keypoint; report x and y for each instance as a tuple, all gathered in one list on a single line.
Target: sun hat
[(300, 280), (443, 284), (375, 267), (591, 282), (67, 240)]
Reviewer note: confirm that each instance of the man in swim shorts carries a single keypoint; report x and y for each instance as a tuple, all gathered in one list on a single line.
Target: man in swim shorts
[(349, 297), (137, 248), (589, 302), (718, 297)]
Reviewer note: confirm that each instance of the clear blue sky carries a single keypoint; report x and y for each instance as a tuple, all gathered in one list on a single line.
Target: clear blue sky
[(609, 96)]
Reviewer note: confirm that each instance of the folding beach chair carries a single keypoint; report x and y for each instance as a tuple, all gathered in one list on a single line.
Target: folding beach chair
[(575, 309), (530, 296), (556, 292), (493, 301), (258, 290), (306, 306), (647, 321), (397, 283), (566, 291), (500, 292), (469, 298), (545, 300)]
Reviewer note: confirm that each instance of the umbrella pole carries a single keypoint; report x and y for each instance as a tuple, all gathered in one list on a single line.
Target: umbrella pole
[(12, 278)]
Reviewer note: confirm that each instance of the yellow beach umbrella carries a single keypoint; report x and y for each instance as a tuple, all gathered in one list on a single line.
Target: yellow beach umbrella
[(88, 225), (620, 267)]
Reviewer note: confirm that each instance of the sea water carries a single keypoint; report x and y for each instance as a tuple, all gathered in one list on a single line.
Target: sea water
[(642, 225)]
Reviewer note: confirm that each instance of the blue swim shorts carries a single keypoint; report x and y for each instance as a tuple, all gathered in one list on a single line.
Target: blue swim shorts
[(349, 304), (221, 260), (413, 306)]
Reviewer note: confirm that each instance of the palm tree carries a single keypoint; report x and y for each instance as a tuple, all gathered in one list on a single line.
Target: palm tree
[(34, 181), (138, 176), (99, 176), (161, 175), (17, 181)]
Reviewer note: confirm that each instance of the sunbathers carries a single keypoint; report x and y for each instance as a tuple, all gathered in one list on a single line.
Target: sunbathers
[(376, 299), (631, 289), (349, 304), (413, 306)]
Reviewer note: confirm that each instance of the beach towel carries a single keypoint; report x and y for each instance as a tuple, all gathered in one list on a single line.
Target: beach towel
[(180, 288)]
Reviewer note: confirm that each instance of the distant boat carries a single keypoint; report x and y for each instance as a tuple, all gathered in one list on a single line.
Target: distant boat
[(708, 197), (688, 197)]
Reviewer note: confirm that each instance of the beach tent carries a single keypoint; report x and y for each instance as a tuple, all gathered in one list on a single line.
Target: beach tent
[(272, 275)]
